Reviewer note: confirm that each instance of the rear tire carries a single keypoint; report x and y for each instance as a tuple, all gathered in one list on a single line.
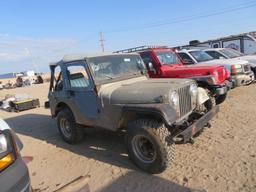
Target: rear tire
[(69, 130), (150, 145), (221, 98)]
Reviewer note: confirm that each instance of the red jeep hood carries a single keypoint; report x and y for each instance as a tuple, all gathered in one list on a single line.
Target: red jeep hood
[(190, 71)]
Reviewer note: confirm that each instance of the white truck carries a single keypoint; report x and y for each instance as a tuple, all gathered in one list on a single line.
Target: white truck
[(228, 53)]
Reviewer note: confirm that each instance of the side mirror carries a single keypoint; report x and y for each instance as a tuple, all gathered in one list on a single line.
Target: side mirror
[(151, 67), (221, 57)]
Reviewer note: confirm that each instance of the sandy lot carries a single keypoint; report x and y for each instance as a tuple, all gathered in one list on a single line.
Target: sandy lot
[(223, 158)]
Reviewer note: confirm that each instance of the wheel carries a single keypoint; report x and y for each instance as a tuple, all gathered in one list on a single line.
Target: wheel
[(150, 145), (221, 98), (210, 103), (68, 128)]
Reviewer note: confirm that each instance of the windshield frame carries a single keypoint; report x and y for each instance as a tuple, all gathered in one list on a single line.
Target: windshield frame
[(139, 73), (201, 51)]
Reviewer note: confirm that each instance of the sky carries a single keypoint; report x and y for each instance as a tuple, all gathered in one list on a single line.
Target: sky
[(35, 33)]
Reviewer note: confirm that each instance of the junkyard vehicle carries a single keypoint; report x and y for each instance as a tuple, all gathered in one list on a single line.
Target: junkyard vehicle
[(14, 174), (241, 73), (228, 53), (164, 62), (111, 91)]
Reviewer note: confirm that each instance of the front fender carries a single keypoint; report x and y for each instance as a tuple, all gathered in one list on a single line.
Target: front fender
[(160, 111), (202, 96)]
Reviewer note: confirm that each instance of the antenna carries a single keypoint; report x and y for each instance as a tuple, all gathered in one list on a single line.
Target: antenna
[(102, 42)]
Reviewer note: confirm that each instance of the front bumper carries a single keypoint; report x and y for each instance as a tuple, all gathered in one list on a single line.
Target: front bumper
[(243, 79), (222, 88), (188, 133), (15, 178)]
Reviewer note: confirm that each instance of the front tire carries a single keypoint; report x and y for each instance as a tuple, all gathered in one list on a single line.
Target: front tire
[(150, 145), (221, 98), (210, 103), (69, 130)]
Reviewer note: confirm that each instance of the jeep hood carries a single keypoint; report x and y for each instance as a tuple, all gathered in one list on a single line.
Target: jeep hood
[(190, 71), (140, 90)]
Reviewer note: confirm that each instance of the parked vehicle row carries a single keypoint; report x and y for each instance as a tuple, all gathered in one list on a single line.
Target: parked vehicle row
[(154, 94), (164, 62), (240, 70)]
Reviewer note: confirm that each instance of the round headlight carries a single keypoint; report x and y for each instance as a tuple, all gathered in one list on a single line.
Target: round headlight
[(3, 144), (193, 89), (174, 98)]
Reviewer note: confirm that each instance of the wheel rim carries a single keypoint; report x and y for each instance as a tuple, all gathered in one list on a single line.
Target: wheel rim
[(65, 127), (144, 149)]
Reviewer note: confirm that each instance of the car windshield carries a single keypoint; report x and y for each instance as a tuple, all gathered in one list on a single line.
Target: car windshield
[(231, 53), (116, 66), (201, 56), (167, 58)]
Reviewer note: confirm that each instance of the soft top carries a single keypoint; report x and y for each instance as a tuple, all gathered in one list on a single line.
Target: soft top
[(77, 57)]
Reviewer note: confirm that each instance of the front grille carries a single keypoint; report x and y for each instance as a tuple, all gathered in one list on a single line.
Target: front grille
[(247, 68), (185, 100)]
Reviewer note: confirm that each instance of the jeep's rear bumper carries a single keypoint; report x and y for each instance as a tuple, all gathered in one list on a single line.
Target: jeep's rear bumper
[(189, 132)]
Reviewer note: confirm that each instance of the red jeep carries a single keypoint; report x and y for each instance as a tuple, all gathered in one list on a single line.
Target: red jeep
[(164, 62)]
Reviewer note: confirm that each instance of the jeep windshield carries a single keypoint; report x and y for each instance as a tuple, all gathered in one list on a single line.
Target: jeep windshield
[(111, 67), (201, 56), (168, 58), (231, 53)]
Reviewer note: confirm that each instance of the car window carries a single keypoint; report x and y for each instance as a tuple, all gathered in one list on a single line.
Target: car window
[(78, 77), (167, 58), (200, 56), (215, 54), (146, 57), (231, 53), (186, 58)]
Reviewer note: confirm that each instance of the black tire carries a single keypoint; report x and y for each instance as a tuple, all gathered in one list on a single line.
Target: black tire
[(72, 134), (221, 98), (210, 103), (158, 138)]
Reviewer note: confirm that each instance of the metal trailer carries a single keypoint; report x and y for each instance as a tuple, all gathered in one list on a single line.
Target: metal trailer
[(245, 43)]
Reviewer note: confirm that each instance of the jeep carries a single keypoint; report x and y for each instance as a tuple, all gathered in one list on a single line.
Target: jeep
[(112, 91), (164, 62)]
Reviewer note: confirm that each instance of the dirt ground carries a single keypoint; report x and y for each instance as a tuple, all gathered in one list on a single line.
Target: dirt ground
[(223, 158)]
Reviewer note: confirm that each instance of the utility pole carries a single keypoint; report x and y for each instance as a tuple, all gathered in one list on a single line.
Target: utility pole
[(102, 42)]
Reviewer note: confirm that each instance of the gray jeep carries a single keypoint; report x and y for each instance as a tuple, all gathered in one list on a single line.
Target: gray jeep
[(112, 91)]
